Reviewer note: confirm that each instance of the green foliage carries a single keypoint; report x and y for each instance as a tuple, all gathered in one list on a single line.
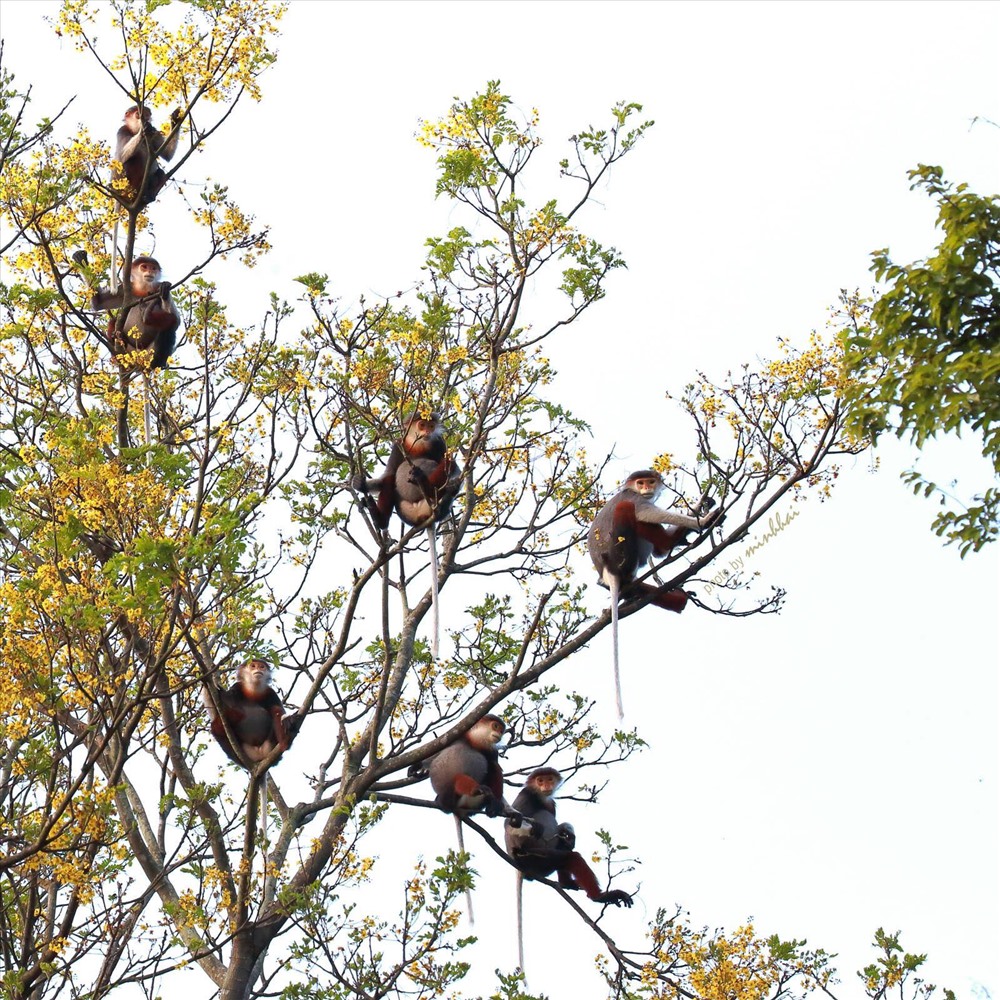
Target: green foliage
[(895, 970), (160, 527), (929, 362)]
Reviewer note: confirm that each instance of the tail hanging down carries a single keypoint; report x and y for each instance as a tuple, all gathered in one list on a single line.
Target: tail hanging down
[(615, 597), (468, 892), (520, 924), (435, 606)]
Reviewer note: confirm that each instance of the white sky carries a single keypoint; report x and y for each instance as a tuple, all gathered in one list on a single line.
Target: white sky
[(828, 770)]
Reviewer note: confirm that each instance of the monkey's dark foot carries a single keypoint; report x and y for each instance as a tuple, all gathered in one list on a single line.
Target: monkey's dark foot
[(566, 841), (418, 771), (614, 897), (492, 806)]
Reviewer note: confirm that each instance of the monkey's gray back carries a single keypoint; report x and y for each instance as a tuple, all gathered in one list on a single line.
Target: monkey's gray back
[(459, 758), (600, 537)]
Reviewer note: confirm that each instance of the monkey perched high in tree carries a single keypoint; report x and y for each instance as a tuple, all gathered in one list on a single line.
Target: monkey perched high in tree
[(152, 319), (627, 531), (538, 845), (420, 481), (467, 777), (253, 713), (138, 145)]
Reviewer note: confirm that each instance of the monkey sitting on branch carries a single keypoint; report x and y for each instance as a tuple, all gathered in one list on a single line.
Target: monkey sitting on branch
[(627, 531), (253, 713), (152, 319), (467, 778), (538, 845), (139, 144), (420, 481)]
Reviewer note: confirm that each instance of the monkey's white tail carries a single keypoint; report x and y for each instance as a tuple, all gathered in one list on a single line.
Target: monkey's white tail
[(520, 924), (263, 821), (461, 847), (615, 595), (435, 608), (114, 252)]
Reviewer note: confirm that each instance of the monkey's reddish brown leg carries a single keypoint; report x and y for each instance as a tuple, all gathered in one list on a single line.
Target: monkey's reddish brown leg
[(577, 874), (672, 600), (382, 508), (218, 730), (662, 539), (155, 185), (622, 558), (439, 475), (160, 318)]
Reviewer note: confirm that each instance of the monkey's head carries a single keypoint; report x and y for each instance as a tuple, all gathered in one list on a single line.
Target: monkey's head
[(486, 733), (254, 677), (645, 482), (146, 275), (423, 428), (135, 117), (545, 780)]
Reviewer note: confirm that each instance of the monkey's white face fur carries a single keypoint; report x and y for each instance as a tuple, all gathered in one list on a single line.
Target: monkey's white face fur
[(646, 487), (145, 275), (255, 676), (486, 733)]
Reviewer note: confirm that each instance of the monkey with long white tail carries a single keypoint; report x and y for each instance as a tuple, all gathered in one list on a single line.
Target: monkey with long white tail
[(628, 530), (252, 714), (420, 481), (538, 845), (467, 777)]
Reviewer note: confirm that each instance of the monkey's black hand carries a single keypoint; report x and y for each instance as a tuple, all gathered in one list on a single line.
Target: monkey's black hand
[(165, 287), (80, 257), (418, 477), (710, 518), (566, 840), (614, 897), (176, 115)]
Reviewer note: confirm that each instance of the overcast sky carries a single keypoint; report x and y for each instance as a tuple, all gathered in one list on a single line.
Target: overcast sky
[(828, 770)]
